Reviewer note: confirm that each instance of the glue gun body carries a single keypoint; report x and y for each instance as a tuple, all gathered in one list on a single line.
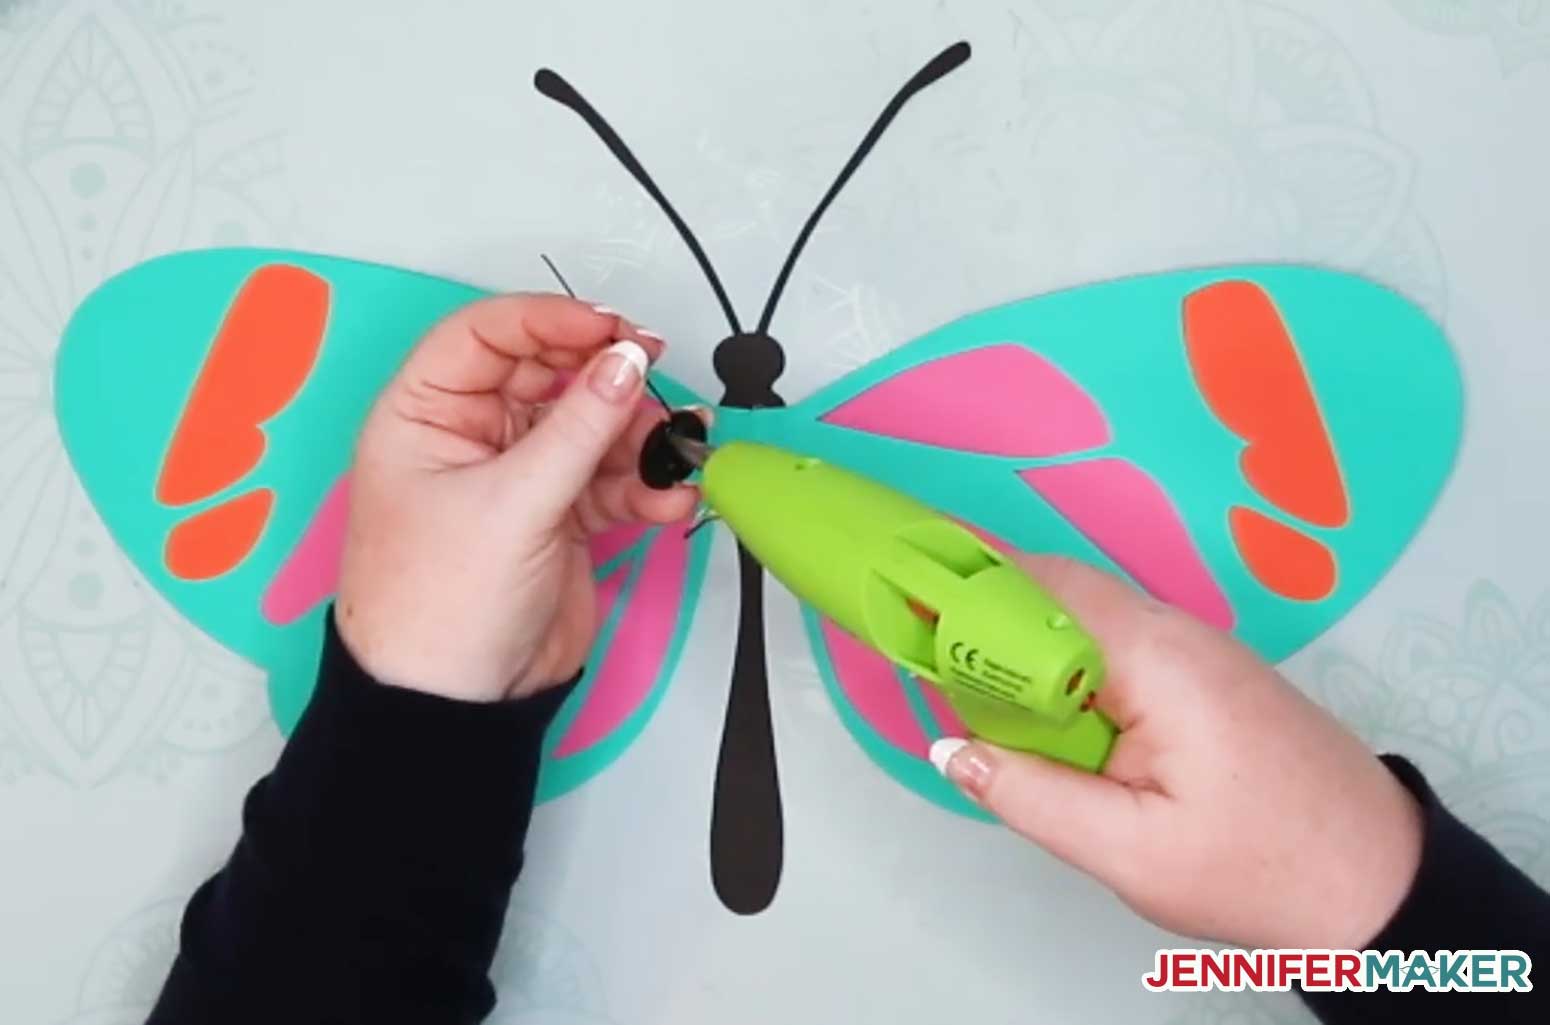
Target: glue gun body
[(923, 591)]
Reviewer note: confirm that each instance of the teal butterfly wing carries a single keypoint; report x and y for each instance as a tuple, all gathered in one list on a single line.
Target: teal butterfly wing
[(209, 402), (1255, 444), (127, 369)]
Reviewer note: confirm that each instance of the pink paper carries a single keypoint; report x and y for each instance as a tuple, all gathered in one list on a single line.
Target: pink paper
[(639, 645), (1002, 400), (311, 572), (608, 545), (1126, 514), (869, 681)]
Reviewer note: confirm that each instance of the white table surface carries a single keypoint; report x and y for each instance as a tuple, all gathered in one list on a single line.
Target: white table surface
[(1402, 138)]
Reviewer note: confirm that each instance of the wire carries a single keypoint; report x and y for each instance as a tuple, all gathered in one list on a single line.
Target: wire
[(568, 291)]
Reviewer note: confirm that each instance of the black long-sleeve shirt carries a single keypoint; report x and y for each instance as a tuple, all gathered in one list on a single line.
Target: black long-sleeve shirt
[(376, 861)]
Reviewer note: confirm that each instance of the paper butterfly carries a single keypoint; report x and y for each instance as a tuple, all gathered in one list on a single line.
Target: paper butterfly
[(1255, 444)]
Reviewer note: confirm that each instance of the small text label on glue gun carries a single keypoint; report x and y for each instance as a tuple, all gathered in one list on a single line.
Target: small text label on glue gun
[(973, 670)]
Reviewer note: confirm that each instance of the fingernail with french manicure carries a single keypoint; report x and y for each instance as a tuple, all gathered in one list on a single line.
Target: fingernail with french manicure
[(619, 372), (646, 332), (606, 311), (965, 764)]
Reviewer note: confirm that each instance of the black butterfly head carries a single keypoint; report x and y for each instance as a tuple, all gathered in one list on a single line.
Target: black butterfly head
[(749, 363)]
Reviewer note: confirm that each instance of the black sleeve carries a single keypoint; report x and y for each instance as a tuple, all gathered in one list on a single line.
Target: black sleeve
[(375, 863), (1466, 896)]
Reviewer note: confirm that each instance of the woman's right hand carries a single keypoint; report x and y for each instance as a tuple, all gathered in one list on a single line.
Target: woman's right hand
[(1232, 808)]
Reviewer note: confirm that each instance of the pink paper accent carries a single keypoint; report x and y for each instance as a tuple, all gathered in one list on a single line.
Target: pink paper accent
[(1002, 400), (639, 645), (1125, 513), (608, 592), (869, 681), (947, 722), (311, 572), (610, 543)]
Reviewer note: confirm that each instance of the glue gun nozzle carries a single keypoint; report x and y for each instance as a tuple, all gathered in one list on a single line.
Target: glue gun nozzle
[(692, 451)]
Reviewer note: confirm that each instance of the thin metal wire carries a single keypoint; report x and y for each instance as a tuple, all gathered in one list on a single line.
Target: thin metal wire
[(557, 275), (570, 292), (705, 516)]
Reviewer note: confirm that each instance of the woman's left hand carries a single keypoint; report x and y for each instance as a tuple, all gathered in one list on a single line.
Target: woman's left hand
[(466, 571)]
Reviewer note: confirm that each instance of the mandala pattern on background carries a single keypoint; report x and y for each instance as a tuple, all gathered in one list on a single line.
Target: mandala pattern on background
[(125, 973), (1519, 30), (1469, 703), (122, 137), (1191, 132)]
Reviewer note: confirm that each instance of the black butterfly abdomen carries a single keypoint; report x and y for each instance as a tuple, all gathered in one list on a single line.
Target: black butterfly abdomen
[(747, 830)]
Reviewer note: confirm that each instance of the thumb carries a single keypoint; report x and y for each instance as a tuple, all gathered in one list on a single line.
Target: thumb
[(560, 455), (1086, 820)]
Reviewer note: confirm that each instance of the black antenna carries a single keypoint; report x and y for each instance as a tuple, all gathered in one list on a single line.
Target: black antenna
[(572, 293), (948, 60), (557, 89)]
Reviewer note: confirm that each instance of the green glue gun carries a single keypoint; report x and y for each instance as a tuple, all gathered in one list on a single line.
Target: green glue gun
[(920, 589)]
